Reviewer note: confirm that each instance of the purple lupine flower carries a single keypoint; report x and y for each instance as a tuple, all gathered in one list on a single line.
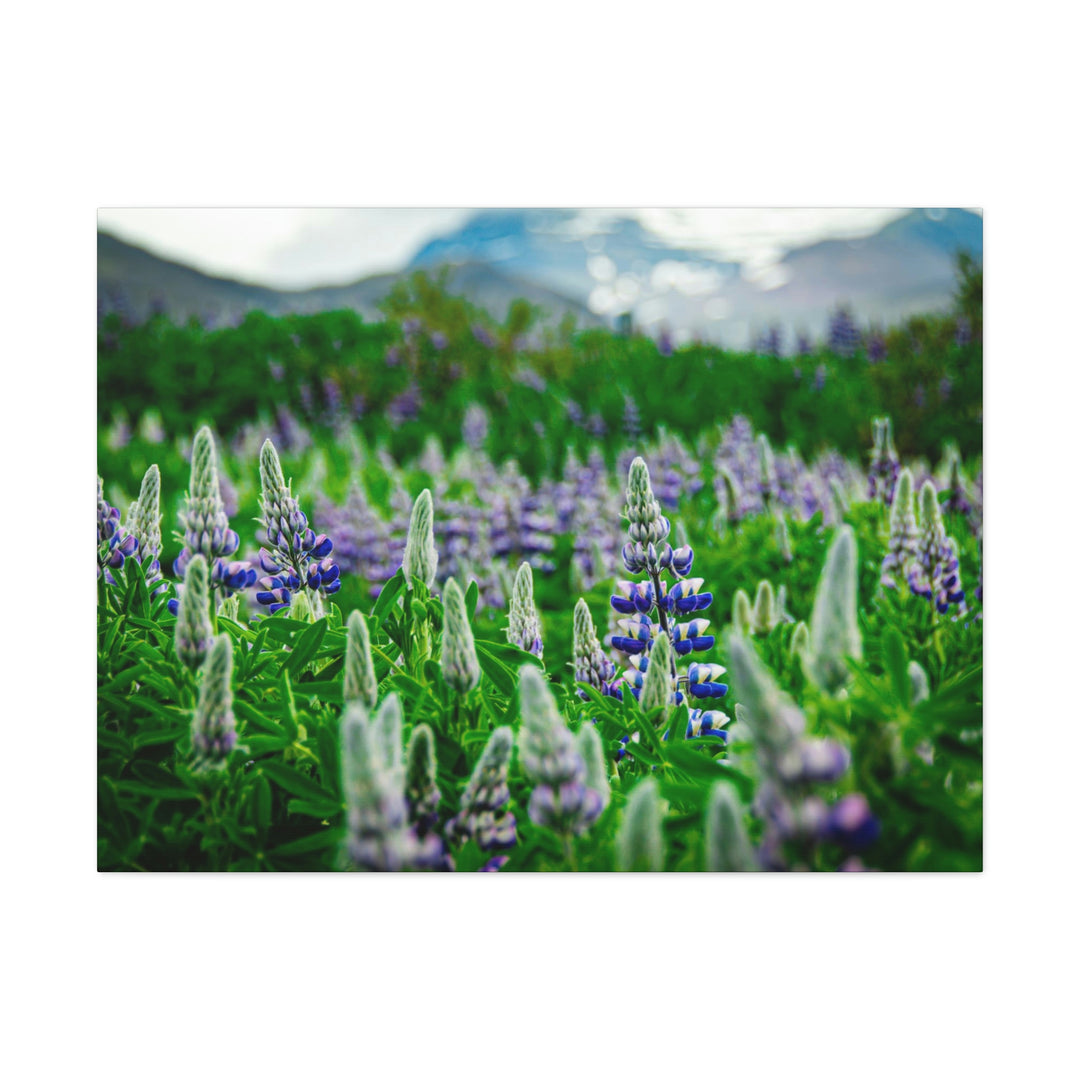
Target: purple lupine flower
[(945, 387), (277, 370), (936, 570), (769, 343), (115, 543), (439, 340), (884, 462), (876, 351), (631, 419), (484, 815), (819, 378), (562, 799), (796, 818), (474, 428), (803, 345), (483, 336), (844, 337), (919, 396), (963, 332)]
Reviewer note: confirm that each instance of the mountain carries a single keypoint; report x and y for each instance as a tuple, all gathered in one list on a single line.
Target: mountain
[(135, 281), (613, 263), (600, 264)]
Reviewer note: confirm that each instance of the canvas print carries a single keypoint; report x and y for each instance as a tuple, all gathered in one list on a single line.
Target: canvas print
[(517, 540)]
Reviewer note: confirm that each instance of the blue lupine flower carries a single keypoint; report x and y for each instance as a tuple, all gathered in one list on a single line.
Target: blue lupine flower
[(654, 606), (206, 524), (298, 558)]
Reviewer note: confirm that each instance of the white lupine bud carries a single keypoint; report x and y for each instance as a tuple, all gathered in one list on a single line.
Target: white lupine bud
[(656, 691), (834, 627), (800, 639), (741, 612), (592, 753), (460, 666), (920, 684), (193, 630), (146, 515), (213, 729), (727, 847), (301, 609), (421, 560), (360, 682), (763, 616), (647, 523), (903, 532), (774, 720), (639, 843), (524, 628)]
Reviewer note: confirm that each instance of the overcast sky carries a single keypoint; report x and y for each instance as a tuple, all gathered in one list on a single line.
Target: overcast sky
[(296, 248)]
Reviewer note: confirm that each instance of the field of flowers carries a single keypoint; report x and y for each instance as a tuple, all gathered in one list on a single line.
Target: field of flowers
[(440, 594)]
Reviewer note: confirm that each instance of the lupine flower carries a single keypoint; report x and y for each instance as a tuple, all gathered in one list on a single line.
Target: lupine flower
[(657, 681), (742, 614), (421, 789), (213, 729), (206, 525), (631, 419), (903, 533), (551, 758), (834, 627), (770, 485), (485, 815), (474, 429), (763, 616), (800, 639), (524, 628), (653, 599), (884, 462), (935, 572), (790, 763), (378, 834), (727, 847), (360, 682), (957, 501), (876, 350), (920, 684), (115, 543), (592, 753), (844, 336), (591, 664), (145, 521), (193, 631), (297, 559), (639, 843), (421, 559), (460, 666)]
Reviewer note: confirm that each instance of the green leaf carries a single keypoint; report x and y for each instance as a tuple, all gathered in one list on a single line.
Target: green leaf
[(896, 665), (318, 841), (320, 810), (387, 597), (305, 648), (296, 783), (472, 598)]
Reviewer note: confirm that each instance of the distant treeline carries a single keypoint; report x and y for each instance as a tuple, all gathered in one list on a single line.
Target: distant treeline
[(415, 374)]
